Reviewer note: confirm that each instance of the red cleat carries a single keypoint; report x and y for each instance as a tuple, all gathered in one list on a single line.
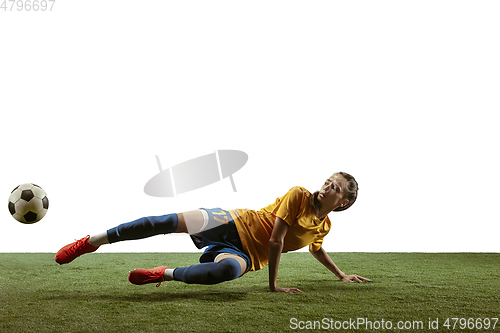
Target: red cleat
[(142, 276), (72, 251)]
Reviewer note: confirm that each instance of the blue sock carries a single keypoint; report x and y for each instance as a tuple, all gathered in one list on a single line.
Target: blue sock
[(209, 272), (144, 227)]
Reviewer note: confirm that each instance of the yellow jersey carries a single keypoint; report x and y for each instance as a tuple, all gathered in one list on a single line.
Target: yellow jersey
[(255, 227)]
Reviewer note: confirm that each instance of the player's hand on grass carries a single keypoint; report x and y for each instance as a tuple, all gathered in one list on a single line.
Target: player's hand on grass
[(354, 278), (286, 290)]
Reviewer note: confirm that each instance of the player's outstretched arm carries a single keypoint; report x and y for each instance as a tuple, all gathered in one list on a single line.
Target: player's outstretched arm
[(275, 247), (325, 259)]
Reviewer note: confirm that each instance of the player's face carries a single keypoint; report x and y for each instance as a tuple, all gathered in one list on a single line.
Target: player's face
[(333, 191)]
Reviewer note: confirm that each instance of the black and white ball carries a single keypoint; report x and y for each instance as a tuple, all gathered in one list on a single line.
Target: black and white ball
[(28, 203)]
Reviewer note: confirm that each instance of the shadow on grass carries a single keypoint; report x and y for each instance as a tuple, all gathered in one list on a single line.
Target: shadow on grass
[(229, 296), (325, 285)]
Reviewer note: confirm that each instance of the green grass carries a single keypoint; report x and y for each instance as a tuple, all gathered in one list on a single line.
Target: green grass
[(92, 294)]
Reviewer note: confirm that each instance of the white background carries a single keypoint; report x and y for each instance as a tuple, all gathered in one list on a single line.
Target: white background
[(400, 94)]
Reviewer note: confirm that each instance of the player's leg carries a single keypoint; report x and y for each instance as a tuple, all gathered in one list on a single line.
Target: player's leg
[(197, 221), (137, 229), (189, 222), (208, 272), (144, 227), (99, 239), (192, 222), (240, 260), (226, 266)]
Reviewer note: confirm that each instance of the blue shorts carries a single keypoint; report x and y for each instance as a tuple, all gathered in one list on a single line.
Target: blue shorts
[(221, 239)]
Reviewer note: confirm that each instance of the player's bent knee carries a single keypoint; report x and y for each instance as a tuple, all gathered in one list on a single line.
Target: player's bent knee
[(227, 269), (240, 260), (209, 272)]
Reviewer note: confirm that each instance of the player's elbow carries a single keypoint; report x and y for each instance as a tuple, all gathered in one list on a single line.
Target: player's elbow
[(275, 242), (315, 253)]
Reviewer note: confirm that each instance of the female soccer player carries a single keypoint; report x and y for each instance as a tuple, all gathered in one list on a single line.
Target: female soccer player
[(238, 240)]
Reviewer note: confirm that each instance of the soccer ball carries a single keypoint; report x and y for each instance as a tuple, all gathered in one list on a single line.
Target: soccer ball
[(28, 203)]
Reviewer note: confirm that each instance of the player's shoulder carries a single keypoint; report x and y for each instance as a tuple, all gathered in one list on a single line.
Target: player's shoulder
[(299, 191)]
